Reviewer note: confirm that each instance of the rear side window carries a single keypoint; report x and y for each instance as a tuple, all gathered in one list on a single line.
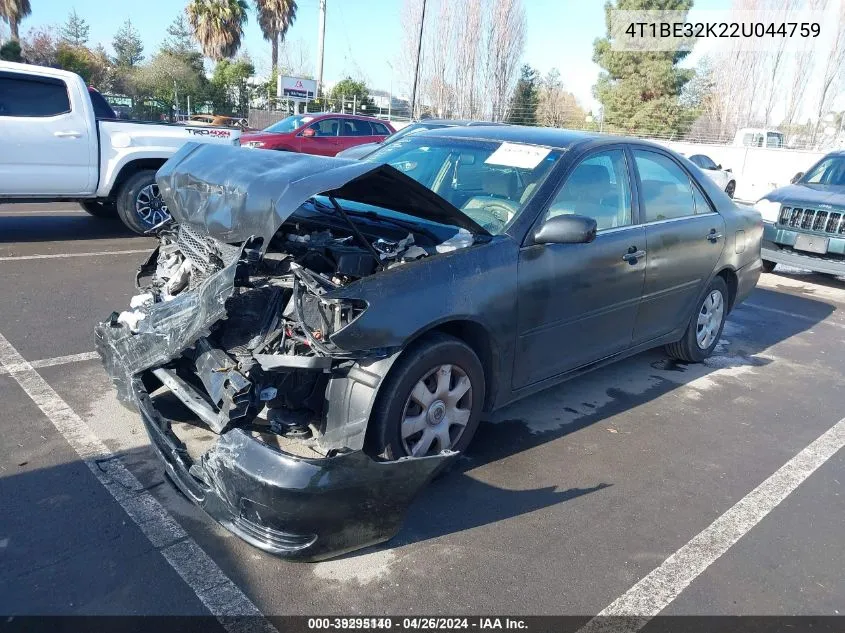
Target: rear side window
[(701, 204), (705, 162), (354, 127), (26, 96), (666, 188), (102, 109), (380, 129)]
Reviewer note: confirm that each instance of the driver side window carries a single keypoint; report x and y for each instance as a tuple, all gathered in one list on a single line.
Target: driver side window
[(597, 188), (326, 127)]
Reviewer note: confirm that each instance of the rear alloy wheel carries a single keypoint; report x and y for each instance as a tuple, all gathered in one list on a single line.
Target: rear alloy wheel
[(430, 401), (730, 189), (768, 266), (705, 326), (139, 203), (99, 208)]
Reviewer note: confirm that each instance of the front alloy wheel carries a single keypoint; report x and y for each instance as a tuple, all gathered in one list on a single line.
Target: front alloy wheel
[(139, 202), (437, 411), (150, 206)]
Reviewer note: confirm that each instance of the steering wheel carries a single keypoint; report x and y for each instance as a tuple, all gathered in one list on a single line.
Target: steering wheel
[(492, 215)]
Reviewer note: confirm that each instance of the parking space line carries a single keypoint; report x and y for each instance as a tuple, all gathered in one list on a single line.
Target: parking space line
[(15, 258), (213, 588), (58, 360), (794, 315), (658, 589)]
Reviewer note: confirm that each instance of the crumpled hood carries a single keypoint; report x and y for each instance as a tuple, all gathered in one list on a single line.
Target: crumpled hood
[(233, 193), (810, 195)]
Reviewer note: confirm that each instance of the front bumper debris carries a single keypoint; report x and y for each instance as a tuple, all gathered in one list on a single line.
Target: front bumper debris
[(295, 507)]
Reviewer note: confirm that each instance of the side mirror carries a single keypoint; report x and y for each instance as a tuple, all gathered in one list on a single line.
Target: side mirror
[(797, 177), (719, 166), (309, 132), (566, 229)]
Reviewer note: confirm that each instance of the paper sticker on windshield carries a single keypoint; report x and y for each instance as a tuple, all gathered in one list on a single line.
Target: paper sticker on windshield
[(517, 155)]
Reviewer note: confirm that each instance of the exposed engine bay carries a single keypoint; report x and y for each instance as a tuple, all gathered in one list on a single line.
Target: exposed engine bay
[(265, 316), (266, 362)]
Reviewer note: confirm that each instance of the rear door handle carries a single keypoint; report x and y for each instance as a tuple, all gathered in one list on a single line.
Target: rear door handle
[(713, 236), (68, 134), (633, 255)]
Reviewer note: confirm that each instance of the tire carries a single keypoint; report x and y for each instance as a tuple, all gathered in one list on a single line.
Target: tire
[(137, 188), (689, 349), (730, 189), (768, 266), (99, 208), (427, 358)]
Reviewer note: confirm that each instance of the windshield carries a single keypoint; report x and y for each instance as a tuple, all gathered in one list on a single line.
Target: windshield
[(489, 181), (289, 124), (828, 171), (414, 128)]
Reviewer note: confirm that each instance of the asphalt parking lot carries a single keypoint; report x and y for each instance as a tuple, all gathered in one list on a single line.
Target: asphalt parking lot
[(564, 504)]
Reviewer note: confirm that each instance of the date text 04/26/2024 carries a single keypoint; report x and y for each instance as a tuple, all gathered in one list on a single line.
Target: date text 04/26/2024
[(417, 623)]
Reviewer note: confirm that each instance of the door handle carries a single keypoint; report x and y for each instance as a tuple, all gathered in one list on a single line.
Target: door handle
[(68, 134), (714, 237), (633, 255)]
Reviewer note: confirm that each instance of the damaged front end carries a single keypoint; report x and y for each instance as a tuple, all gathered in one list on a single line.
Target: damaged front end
[(235, 336)]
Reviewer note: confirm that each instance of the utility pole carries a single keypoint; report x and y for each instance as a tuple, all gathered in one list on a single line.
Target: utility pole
[(321, 38), (417, 67), (390, 96)]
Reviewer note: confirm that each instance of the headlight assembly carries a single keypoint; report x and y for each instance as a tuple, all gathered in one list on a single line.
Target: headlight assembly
[(768, 209)]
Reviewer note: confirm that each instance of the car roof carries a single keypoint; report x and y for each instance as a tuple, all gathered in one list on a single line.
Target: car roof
[(558, 138), (320, 115), (454, 122)]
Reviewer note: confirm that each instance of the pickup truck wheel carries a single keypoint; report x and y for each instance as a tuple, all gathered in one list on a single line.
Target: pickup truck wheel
[(705, 325), (99, 208), (139, 202), (730, 189), (430, 401)]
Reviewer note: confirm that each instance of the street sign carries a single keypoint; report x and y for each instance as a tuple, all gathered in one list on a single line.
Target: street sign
[(296, 88)]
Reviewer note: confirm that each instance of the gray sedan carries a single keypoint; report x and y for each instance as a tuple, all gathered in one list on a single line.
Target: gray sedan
[(340, 326)]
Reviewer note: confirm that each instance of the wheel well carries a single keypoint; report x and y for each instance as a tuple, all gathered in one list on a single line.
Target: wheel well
[(477, 337), (129, 169), (731, 281)]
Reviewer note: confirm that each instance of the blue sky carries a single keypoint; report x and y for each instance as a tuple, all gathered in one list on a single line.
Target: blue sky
[(362, 35)]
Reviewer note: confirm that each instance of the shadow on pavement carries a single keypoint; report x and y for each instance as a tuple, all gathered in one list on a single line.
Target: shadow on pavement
[(809, 277), (60, 227), (459, 501)]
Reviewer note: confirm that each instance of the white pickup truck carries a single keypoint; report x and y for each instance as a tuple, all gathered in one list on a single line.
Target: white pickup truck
[(61, 141)]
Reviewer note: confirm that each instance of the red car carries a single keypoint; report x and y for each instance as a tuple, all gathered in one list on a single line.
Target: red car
[(325, 134)]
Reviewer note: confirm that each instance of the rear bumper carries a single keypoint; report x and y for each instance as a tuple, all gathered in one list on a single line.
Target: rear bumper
[(300, 508), (747, 278), (778, 247)]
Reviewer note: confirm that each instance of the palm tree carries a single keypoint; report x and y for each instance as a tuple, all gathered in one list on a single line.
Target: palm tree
[(274, 18), (13, 11), (218, 25)]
